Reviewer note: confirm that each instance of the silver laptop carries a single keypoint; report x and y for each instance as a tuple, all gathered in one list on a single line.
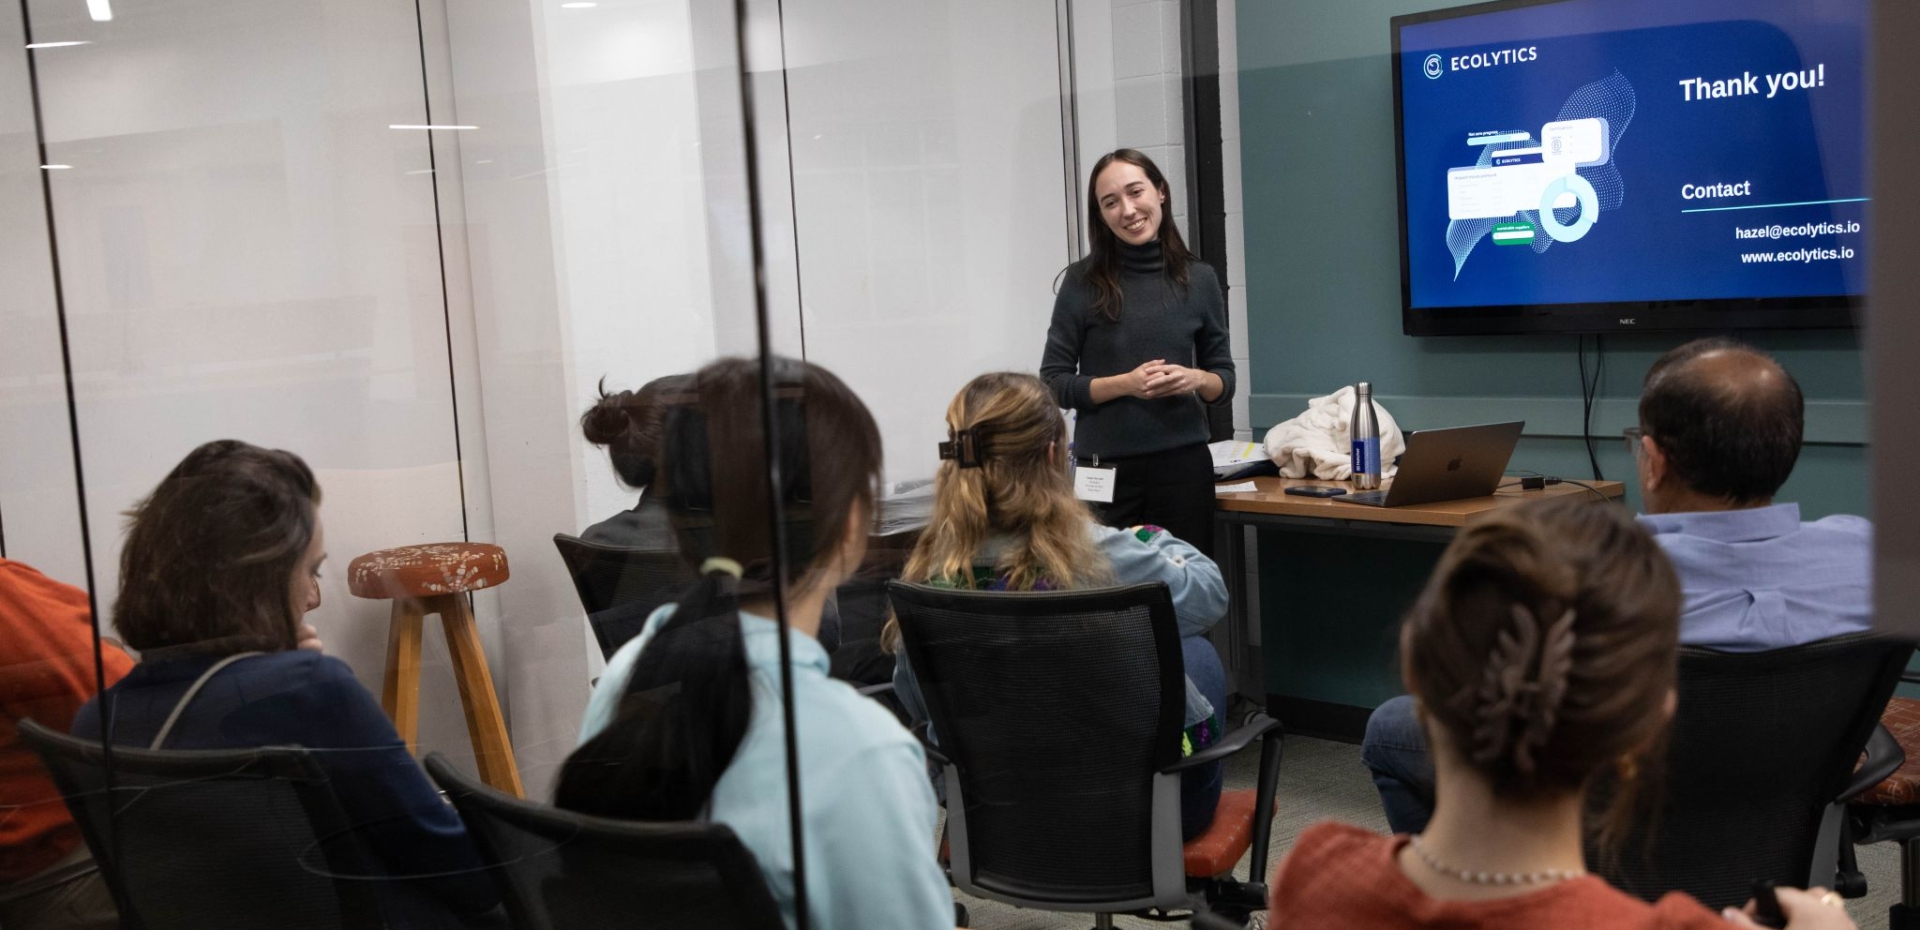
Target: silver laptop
[(1447, 464)]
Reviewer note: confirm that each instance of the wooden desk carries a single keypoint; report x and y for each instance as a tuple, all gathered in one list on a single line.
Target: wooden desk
[(1269, 499), (1267, 506)]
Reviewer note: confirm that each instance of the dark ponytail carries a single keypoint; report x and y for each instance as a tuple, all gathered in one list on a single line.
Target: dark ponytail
[(685, 710), (689, 701)]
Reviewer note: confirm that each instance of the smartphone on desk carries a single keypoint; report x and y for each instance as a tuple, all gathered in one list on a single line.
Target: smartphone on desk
[(1313, 491)]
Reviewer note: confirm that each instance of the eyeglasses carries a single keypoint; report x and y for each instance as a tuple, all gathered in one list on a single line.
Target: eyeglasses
[(1632, 434)]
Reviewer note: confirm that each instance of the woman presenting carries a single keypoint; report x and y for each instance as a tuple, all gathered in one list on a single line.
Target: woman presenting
[(1138, 348)]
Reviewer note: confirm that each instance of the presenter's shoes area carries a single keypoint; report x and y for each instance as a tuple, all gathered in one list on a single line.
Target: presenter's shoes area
[(959, 914)]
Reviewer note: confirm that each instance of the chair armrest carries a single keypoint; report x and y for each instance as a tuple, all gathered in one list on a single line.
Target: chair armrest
[(1884, 757), (933, 752), (871, 690), (1233, 742)]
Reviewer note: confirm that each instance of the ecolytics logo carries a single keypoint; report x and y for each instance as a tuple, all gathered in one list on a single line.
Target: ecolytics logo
[(1433, 66)]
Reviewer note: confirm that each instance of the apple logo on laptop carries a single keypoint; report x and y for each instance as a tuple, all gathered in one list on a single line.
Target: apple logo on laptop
[(1455, 464)]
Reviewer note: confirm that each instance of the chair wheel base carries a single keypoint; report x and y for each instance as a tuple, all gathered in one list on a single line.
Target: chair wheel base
[(1237, 897), (960, 915), (1850, 884)]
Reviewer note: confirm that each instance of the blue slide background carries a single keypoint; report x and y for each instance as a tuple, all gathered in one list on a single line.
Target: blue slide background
[(1801, 145)]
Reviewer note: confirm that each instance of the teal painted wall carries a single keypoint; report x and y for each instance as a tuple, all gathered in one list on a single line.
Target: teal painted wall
[(1323, 308), (1323, 275)]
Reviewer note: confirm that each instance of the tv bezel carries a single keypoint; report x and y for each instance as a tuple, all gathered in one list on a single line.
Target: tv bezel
[(1719, 313)]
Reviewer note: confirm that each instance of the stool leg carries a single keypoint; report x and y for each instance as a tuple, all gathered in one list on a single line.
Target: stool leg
[(400, 693), (485, 725)]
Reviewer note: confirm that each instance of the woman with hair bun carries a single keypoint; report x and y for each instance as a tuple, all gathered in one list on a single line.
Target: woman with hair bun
[(627, 423), (1542, 655), (630, 424), (1005, 519)]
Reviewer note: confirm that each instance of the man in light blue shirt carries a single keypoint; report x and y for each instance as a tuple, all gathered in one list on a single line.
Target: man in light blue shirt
[(1720, 429)]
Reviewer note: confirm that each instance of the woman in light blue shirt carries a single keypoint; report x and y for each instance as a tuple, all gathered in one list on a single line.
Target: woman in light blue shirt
[(1005, 519), (687, 721)]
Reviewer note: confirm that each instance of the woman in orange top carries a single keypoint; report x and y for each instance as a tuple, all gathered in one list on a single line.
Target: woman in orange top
[(1541, 653)]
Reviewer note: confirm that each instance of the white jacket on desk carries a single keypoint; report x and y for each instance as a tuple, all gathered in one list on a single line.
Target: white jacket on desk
[(1316, 444)]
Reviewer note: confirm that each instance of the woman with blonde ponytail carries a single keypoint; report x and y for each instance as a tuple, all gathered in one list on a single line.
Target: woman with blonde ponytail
[(1005, 519)]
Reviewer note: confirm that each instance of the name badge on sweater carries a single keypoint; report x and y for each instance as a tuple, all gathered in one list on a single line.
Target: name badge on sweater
[(1093, 484)]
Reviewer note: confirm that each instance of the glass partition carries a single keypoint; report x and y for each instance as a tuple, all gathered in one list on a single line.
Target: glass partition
[(354, 350), (471, 371)]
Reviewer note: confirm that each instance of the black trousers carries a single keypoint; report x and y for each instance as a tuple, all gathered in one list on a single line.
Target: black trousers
[(1172, 490)]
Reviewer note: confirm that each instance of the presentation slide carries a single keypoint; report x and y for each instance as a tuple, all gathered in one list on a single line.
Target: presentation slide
[(1631, 150)]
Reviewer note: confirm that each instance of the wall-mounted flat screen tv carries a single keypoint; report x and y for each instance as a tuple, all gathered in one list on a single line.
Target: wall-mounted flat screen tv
[(1608, 165)]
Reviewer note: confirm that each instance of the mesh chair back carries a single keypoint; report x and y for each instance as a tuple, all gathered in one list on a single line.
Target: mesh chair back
[(1761, 744), (207, 840), (619, 587), (558, 870), (1057, 709)]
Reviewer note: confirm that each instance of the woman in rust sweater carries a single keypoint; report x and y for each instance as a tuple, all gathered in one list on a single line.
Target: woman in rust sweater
[(1541, 653)]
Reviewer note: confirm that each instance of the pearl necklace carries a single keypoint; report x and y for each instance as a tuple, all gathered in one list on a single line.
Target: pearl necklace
[(1491, 878)]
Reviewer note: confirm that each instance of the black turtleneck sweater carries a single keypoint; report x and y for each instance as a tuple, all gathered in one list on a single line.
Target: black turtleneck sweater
[(1159, 318)]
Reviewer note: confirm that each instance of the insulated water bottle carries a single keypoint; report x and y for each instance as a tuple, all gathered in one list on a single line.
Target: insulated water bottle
[(1365, 432)]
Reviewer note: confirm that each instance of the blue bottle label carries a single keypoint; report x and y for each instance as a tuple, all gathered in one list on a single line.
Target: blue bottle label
[(1366, 456)]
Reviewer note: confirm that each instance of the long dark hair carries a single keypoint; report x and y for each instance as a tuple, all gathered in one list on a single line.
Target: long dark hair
[(627, 423), (689, 701), (1103, 258), (208, 565)]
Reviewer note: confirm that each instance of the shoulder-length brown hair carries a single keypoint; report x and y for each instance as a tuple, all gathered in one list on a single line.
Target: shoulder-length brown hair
[(209, 559), (1103, 254)]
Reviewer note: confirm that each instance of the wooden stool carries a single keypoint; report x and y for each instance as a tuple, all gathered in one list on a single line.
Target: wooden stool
[(434, 579)]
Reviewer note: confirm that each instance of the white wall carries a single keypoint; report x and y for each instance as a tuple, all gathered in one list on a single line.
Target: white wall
[(39, 522), (927, 164), (629, 200)]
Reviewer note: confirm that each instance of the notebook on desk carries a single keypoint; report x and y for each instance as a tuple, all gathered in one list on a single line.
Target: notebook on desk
[(1447, 464)]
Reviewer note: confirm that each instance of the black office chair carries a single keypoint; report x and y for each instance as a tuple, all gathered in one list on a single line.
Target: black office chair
[(1059, 718), (1884, 807), (207, 840), (1763, 749), (619, 587), (559, 870)]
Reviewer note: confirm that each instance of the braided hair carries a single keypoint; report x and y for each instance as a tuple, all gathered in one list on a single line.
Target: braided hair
[(1543, 650)]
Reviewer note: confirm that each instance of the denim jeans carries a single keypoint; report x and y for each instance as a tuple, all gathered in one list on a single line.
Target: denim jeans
[(1395, 750), (1200, 788)]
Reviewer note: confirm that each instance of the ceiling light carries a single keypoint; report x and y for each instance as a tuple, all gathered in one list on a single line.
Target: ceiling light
[(578, 5), (427, 126), (99, 10), (56, 167), (55, 44)]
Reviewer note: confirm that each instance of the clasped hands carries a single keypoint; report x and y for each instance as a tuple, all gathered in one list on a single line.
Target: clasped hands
[(1158, 378)]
